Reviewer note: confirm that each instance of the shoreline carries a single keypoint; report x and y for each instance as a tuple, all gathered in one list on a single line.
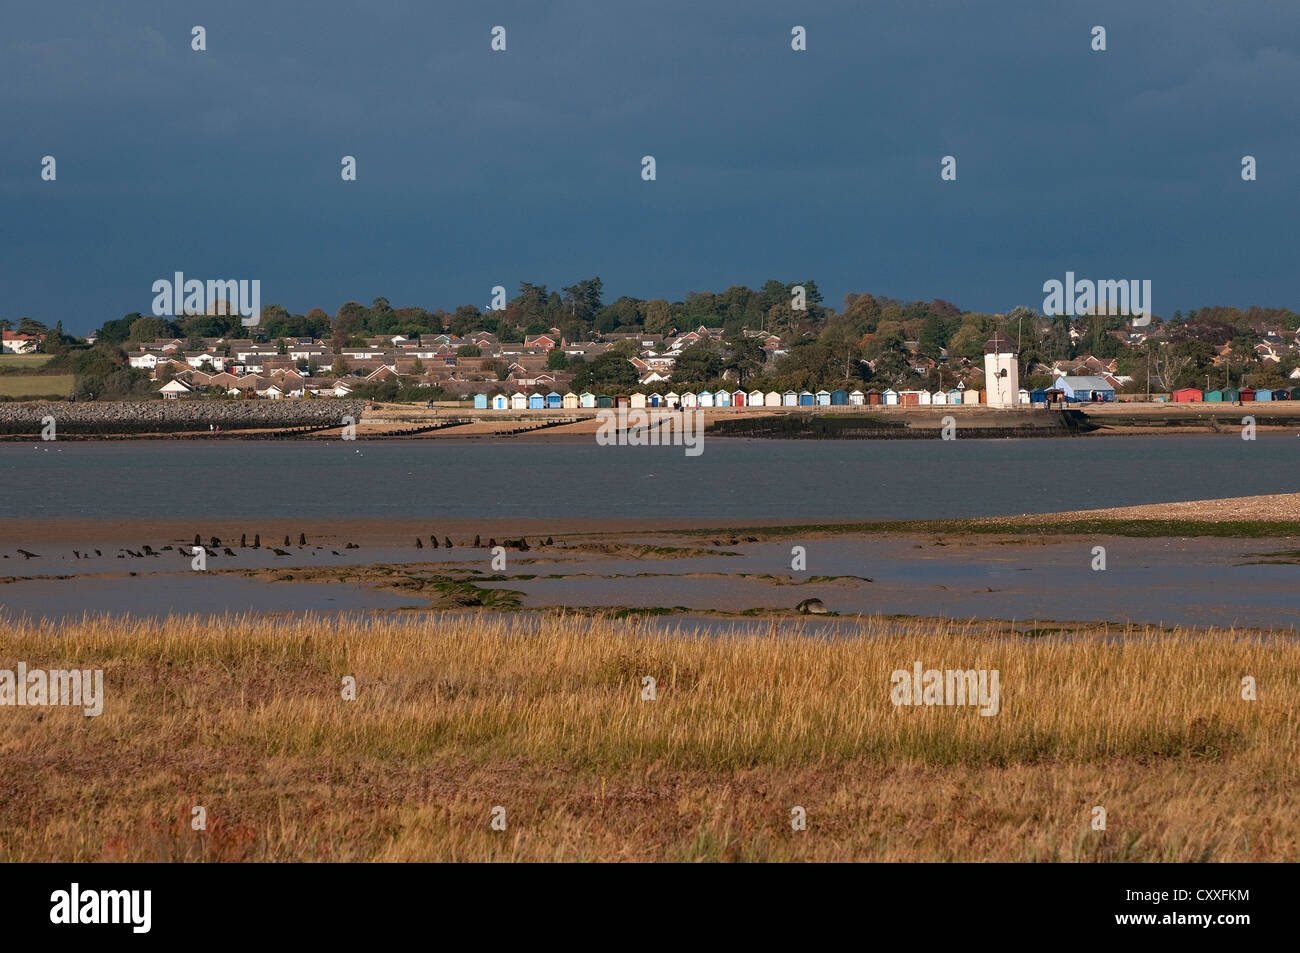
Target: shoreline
[(1274, 514)]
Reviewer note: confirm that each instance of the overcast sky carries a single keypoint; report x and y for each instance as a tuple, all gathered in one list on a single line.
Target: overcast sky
[(478, 168)]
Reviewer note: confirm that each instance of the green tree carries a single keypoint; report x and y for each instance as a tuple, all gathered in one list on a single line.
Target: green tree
[(556, 359)]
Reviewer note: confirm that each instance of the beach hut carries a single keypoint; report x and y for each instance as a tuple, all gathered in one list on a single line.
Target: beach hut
[(654, 400), (480, 402), (1281, 394), (518, 401), (1037, 396), (1230, 395), (621, 400), (1023, 396), (909, 398), (637, 401), (971, 396), (690, 400), (939, 397), (754, 398), (790, 399), (569, 401), (739, 398), (772, 399), (1246, 395), (536, 401), (1188, 395), (704, 399), (1214, 396), (954, 395), (923, 398), (823, 398), (890, 397), (874, 397), (722, 398), (586, 399), (807, 398), (554, 401), (604, 400), (839, 398), (1262, 393), (500, 402), (857, 398), (673, 399)]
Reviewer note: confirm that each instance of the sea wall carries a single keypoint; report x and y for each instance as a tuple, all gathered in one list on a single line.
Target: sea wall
[(167, 416)]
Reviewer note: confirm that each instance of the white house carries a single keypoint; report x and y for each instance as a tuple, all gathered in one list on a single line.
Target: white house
[(173, 389)]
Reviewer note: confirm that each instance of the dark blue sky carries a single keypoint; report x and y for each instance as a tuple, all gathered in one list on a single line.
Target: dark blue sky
[(478, 168)]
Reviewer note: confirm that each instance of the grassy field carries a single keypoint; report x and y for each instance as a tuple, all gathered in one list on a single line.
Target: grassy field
[(457, 715), (23, 361), (28, 386)]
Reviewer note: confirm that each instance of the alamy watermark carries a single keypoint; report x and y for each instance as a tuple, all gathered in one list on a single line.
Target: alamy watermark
[(78, 688), (921, 686), (657, 428), (180, 296), (1084, 296)]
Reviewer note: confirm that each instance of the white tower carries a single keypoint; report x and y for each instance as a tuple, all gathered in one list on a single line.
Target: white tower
[(1001, 372)]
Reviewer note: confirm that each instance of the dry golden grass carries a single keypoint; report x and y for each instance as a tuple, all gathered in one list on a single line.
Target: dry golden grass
[(456, 715)]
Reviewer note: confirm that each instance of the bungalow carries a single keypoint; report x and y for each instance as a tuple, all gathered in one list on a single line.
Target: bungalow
[(173, 389), (1085, 389)]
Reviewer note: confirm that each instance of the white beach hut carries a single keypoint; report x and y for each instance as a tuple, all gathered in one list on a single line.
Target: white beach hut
[(704, 399), (755, 398), (637, 401), (690, 400), (586, 399), (891, 396), (939, 397), (790, 399), (857, 398), (500, 402), (518, 401)]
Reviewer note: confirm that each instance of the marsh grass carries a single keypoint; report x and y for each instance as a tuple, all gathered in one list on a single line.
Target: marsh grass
[(456, 714)]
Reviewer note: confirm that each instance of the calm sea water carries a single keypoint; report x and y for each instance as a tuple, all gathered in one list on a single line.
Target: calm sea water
[(732, 479)]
